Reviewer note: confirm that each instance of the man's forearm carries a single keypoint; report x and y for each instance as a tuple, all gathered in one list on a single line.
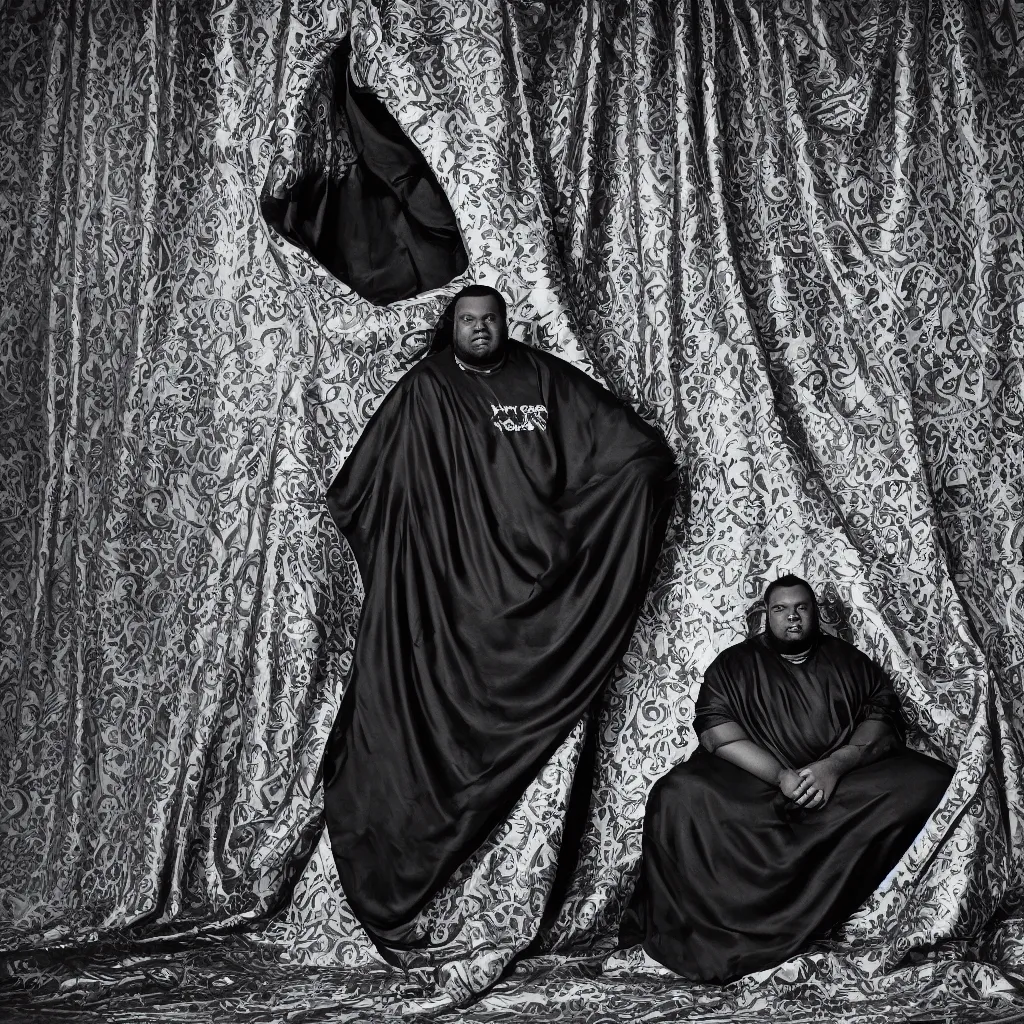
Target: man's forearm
[(870, 742), (746, 754)]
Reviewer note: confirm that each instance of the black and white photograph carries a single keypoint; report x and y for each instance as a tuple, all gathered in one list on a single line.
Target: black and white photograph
[(512, 511)]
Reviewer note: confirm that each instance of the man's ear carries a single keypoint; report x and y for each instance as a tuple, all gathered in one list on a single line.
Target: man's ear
[(757, 618)]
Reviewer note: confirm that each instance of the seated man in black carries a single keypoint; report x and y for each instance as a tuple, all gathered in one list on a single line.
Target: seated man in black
[(505, 511), (798, 802)]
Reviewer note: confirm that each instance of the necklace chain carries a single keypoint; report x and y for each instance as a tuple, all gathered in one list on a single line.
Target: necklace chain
[(476, 369)]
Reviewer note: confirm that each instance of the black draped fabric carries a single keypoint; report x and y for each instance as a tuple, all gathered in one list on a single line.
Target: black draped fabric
[(735, 877), (505, 527), (381, 223)]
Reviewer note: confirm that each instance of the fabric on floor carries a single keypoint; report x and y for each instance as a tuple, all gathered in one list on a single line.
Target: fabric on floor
[(734, 881), (789, 237)]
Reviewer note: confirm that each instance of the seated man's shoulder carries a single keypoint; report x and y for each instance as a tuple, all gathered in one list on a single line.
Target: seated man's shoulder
[(842, 651), (839, 647), (742, 653)]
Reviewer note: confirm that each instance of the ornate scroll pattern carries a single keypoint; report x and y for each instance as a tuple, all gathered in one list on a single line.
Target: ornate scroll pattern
[(789, 234)]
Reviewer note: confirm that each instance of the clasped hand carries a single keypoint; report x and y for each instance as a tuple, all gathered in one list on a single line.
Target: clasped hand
[(809, 787)]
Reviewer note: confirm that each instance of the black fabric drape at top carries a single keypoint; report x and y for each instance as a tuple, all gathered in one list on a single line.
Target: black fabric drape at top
[(505, 527), (379, 221)]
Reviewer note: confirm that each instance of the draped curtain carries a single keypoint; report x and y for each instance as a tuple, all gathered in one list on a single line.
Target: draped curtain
[(789, 233)]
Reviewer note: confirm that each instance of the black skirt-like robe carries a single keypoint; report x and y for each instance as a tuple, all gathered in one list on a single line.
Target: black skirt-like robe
[(735, 877), (505, 527)]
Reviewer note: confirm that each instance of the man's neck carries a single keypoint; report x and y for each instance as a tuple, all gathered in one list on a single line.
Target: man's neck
[(795, 659), (794, 651), (491, 366)]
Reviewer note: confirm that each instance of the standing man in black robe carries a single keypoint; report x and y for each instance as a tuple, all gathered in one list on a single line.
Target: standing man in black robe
[(505, 511), (798, 802)]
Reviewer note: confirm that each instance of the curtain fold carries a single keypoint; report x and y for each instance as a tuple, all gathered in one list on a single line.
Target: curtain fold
[(788, 233)]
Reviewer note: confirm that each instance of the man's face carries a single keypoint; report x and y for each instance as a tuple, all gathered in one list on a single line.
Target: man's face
[(480, 332), (791, 614)]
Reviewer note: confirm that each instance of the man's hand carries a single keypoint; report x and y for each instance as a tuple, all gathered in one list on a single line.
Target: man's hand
[(817, 783), (790, 783)]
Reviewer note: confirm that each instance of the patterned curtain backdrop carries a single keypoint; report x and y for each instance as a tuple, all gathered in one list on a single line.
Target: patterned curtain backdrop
[(790, 232)]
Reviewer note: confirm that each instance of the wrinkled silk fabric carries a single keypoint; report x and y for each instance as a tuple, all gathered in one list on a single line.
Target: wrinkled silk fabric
[(787, 235), (734, 877), (505, 526)]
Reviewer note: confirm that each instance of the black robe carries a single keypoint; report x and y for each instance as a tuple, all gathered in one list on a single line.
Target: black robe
[(505, 527), (735, 877)]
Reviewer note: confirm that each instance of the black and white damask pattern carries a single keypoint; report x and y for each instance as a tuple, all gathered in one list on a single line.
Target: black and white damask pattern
[(788, 233)]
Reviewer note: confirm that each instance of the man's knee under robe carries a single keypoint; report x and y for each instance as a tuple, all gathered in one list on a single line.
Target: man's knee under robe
[(505, 527)]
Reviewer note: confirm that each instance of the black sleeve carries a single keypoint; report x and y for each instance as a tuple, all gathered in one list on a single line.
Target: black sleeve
[(713, 705), (881, 703)]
